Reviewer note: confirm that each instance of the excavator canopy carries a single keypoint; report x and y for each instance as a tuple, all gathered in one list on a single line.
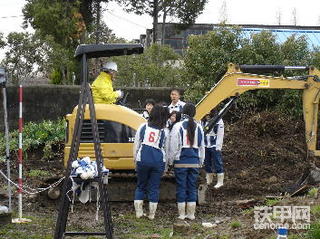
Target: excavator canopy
[(107, 50)]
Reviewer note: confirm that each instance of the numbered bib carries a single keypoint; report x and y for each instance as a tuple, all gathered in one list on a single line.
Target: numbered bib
[(152, 137)]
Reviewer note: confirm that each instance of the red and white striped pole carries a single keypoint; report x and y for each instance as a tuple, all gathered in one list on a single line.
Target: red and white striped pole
[(20, 153), (20, 219)]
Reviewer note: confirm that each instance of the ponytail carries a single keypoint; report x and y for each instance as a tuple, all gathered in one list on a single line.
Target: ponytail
[(158, 117), (191, 128), (190, 110)]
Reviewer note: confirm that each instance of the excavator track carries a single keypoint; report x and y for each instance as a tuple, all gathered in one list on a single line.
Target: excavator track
[(122, 185)]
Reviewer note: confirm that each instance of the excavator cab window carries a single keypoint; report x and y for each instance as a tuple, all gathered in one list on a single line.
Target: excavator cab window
[(109, 132)]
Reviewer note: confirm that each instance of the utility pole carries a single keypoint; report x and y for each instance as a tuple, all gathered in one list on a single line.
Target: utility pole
[(278, 16), (294, 16), (223, 13)]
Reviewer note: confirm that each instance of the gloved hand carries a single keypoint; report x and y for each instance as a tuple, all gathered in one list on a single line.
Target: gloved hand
[(120, 93)]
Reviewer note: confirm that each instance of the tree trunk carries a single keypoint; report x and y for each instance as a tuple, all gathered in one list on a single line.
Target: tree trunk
[(163, 31), (155, 20), (98, 9)]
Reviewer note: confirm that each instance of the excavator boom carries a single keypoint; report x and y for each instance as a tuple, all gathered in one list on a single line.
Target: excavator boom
[(235, 82)]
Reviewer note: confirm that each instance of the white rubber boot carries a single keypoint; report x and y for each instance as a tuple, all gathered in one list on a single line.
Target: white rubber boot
[(220, 180), (191, 209), (209, 178), (152, 210), (138, 206), (182, 210)]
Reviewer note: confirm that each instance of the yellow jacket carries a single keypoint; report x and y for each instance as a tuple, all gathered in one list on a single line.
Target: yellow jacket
[(102, 90)]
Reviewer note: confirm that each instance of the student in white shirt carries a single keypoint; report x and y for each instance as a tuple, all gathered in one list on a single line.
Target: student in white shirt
[(176, 103), (213, 160), (187, 153), (150, 146)]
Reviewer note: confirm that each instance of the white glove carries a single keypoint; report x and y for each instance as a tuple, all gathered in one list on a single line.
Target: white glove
[(75, 164), (120, 93)]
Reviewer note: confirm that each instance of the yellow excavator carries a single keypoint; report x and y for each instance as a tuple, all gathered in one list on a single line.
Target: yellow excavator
[(117, 124), (239, 79)]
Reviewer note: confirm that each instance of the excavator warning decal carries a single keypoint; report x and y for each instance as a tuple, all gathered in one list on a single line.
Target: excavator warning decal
[(253, 82)]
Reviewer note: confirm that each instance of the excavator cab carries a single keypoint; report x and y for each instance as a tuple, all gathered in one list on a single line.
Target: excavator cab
[(117, 124)]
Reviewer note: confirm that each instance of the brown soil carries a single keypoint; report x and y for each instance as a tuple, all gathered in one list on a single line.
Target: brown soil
[(263, 155)]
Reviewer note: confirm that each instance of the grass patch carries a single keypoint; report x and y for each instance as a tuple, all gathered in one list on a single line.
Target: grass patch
[(38, 173), (313, 192), (271, 202), (315, 211), (144, 228), (235, 224), (37, 229), (314, 231), (248, 211)]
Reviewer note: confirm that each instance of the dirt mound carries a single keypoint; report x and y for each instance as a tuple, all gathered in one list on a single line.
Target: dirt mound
[(263, 154)]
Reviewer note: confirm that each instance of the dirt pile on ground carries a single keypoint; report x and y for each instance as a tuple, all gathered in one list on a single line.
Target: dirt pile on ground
[(263, 154)]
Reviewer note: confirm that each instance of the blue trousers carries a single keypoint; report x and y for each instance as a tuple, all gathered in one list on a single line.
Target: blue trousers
[(213, 161), (148, 183), (186, 180)]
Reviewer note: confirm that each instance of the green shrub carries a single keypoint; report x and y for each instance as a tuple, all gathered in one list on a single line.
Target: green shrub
[(314, 231), (36, 135)]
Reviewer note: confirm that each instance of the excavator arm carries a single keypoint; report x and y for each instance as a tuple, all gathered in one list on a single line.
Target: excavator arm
[(236, 81)]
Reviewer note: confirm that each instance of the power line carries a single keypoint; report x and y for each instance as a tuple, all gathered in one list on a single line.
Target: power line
[(127, 20), (12, 16)]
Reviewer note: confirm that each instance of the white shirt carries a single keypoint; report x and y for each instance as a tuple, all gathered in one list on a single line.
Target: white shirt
[(216, 137), (176, 143), (146, 135), (177, 107)]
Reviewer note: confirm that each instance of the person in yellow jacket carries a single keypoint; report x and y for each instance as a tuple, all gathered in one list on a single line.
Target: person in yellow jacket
[(102, 89)]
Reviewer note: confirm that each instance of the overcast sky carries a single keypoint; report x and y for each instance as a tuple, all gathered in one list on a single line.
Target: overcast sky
[(130, 26), (236, 12)]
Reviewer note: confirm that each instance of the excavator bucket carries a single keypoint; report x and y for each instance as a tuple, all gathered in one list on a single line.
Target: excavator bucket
[(310, 178)]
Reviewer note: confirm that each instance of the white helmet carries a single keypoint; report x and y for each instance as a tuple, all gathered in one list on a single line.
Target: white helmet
[(110, 66)]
